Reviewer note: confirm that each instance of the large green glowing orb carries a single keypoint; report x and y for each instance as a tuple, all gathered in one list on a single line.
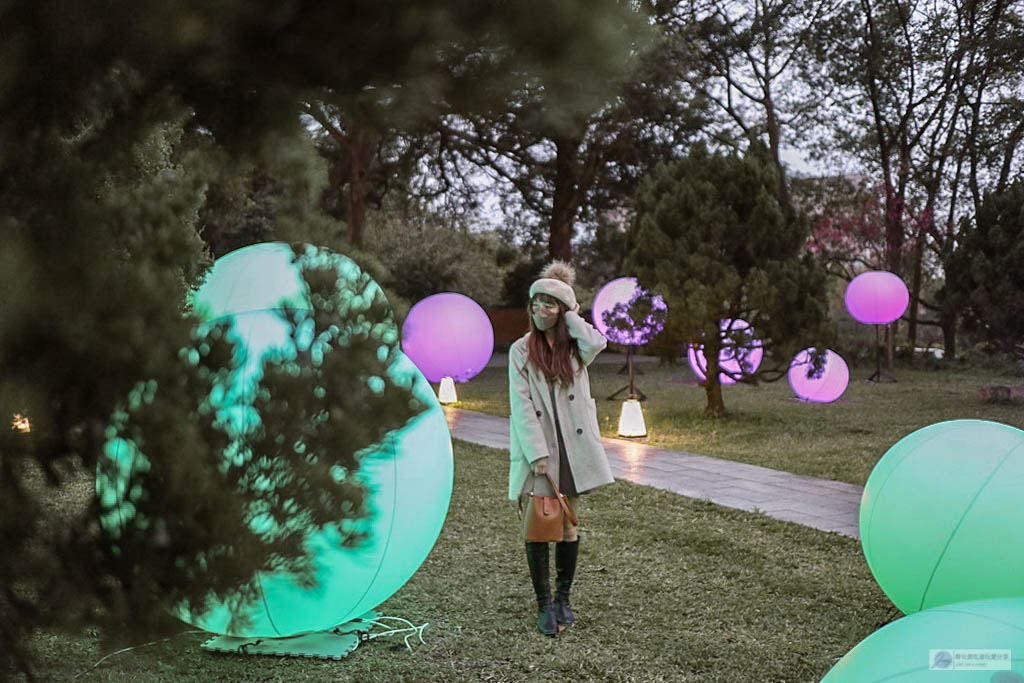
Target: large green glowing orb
[(941, 519), (942, 644), (408, 476)]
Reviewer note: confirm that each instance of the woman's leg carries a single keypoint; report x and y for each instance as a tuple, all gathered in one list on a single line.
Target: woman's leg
[(566, 552), (538, 560)]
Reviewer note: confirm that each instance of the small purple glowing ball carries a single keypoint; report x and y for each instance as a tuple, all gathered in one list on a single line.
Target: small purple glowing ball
[(729, 357), (448, 335), (826, 387), (876, 297), (623, 290)]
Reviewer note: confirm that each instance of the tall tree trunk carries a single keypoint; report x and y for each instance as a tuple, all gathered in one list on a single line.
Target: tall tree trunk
[(563, 206), (916, 276), (775, 146), (360, 147), (712, 383), (948, 322)]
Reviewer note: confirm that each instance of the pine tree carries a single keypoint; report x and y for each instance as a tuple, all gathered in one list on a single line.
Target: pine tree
[(985, 275), (710, 236), (100, 197)]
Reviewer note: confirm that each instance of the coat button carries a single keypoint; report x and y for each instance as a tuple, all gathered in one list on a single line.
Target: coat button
[(538, 413), (579, 430), (571, 397)]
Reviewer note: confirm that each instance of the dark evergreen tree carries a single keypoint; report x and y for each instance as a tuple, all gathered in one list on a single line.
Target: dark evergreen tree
[(100, 201), (711, 238), (985, 274)]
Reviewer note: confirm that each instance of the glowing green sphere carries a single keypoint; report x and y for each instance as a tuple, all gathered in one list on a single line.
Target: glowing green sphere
[(941, 519), (408, 476), (940, 644)]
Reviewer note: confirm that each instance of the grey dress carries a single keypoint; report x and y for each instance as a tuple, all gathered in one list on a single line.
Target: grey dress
[(556, 462)]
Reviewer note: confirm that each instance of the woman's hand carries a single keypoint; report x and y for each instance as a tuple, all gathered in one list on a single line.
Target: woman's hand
[(540, 466), (576, 308)]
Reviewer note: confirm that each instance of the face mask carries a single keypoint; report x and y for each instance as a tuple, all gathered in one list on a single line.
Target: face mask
[(544, 316), (542, 323)]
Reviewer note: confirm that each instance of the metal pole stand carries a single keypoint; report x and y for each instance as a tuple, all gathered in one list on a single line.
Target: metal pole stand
[(634, 391), (878, 375)]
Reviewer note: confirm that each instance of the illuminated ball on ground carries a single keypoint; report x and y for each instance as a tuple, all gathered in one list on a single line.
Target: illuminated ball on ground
[(730, 357), (924, 646), (876, 297), (824, 387), (448, 335), (407, 476), (623, 290), (941, 519)]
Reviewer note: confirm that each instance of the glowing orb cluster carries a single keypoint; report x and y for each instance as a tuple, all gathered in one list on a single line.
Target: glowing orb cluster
[(733, 358), (941, 519), (448, 335), (876, 297), (823, 387), (408, 475), (622, 292)]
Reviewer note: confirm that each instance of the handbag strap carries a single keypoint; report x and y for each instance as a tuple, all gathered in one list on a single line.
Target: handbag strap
[(561, 501)]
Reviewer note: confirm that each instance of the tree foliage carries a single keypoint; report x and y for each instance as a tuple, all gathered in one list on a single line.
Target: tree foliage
[(985, 276), (426, 252), (116, 120), (711, 237), (564, 171)]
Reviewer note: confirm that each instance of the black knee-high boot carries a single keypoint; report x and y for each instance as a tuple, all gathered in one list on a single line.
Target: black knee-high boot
[(565, 568), (537, 559)]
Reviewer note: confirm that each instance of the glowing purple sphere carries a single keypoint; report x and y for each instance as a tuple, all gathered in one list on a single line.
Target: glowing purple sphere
[(876, 297), (732, 358), (622, 291), (448, 335), (826, 387)]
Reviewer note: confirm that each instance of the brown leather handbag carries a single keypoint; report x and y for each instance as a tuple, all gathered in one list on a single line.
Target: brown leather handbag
[(547, 514)]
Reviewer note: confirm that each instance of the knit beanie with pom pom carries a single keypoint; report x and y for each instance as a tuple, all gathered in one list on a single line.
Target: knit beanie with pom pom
[(556, 280)]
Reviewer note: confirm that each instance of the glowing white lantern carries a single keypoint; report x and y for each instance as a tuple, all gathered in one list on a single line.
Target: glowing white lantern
[(446, 394), (631, 419)]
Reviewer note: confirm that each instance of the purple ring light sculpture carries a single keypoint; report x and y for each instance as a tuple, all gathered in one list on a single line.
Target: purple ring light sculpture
[(876, 297), (448, 335), (825, 387), (624, 290), (732, 358)]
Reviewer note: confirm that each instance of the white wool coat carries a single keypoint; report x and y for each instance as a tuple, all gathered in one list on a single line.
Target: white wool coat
[(532, 420)]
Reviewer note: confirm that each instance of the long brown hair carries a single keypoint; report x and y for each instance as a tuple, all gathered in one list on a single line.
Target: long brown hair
[(553, 360)]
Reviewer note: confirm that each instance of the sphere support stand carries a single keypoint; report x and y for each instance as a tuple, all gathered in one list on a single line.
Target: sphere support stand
[(878, 375), (634, 391)]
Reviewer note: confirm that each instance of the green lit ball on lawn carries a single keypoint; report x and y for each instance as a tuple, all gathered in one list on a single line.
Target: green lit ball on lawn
[(941, 518), (408, 476), (926, 646)]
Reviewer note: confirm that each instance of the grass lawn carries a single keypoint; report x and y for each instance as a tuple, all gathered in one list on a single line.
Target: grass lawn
[(768, 426), (668, 589)]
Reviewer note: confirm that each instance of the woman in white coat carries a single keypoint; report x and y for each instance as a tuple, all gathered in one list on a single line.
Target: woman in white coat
[(553, 428)]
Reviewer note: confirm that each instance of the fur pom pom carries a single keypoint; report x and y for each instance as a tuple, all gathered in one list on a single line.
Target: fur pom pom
[(560, 270)]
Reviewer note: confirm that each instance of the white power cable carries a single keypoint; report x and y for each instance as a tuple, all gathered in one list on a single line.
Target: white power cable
[(133, 647), (409, 630)]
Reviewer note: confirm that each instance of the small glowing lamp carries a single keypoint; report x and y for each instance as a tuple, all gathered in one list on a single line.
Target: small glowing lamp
[(631, 419), (21, 424), (446, 394)]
